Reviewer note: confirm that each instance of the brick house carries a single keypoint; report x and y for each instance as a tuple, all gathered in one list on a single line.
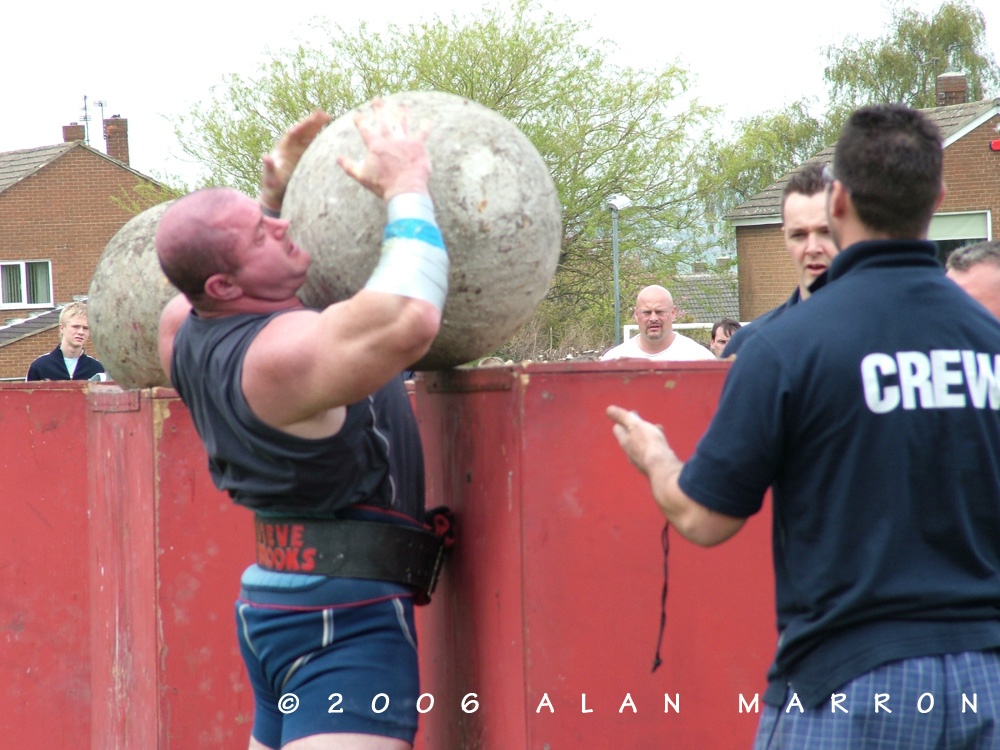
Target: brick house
[(970, 211), (59, 207)]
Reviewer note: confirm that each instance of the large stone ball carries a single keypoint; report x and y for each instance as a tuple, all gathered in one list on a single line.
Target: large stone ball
[(496, 205), (127, 294)]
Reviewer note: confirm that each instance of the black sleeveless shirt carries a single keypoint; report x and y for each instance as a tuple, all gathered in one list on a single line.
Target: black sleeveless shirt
[(375, 459)]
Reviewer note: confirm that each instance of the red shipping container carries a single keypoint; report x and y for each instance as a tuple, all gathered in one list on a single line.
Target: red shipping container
[(120, 561), (546, 620), (44, 592)]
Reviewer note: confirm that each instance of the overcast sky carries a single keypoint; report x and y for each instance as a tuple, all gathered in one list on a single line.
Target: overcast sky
[(150, 63)]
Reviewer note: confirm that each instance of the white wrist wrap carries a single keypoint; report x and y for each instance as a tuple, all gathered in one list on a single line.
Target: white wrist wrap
[(414, 260), (411, 206)]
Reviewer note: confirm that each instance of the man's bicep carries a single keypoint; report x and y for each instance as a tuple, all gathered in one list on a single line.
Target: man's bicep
[(304, 363), (377, 335)]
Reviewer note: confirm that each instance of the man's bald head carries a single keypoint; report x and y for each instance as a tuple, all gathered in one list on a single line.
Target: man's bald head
[(654, 294), (654, 314), (195, 239)]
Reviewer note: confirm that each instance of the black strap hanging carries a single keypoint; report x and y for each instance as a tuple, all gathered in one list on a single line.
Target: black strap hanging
[(665, 542)]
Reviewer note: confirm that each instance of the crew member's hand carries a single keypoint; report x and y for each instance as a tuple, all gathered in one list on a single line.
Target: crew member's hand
[(281, 162), (642, 441), (397, 160)]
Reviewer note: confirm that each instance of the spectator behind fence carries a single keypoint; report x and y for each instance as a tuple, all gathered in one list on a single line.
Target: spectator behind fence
[(654, 313), (68, 361), (807, 239), (722, 331), (976, 268)]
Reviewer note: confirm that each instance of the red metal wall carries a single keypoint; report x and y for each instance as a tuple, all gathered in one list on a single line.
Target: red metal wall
[(119, 564), (44, 593), (167, 550), (553, 592)]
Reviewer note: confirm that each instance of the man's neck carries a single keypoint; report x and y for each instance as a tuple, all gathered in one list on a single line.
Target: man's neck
[(71, 352)]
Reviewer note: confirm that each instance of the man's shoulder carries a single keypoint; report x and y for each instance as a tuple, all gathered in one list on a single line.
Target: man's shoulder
[(744, 334), (42, 365), (44, 360), (47, 355), (91, 365), (689, 347), (224, 326), (618, 352)]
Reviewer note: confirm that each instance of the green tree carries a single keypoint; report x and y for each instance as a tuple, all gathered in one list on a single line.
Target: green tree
[(899, 66), (764, 148), (145, 194), (601, 130), (902, 65)]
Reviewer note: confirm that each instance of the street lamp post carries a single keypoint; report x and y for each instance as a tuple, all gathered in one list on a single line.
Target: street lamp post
[(616, 203)]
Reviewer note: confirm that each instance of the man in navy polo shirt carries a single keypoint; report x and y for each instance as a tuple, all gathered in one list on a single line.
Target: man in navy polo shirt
[(873, 413)]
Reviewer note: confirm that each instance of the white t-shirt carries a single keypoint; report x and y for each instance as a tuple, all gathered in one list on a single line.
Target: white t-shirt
[(681, 349)]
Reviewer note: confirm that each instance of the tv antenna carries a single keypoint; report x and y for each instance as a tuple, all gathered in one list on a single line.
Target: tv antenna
[(101, 103), (86, 116), (86, 121)]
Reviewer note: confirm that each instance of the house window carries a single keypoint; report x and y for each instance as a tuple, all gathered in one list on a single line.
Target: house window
[(952, 231), (26, 284)]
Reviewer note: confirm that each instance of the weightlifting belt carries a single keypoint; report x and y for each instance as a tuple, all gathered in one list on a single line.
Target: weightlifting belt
[(351, 549)]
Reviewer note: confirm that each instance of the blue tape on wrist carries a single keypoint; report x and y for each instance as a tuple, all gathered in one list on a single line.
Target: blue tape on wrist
[(414, 260), (414, 229)]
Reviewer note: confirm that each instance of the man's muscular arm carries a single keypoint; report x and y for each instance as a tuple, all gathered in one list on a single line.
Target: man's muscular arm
[(353, 347)]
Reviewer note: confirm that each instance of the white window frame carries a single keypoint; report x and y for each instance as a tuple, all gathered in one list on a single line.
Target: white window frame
[(957, 225), (22, 305), (958, 228)]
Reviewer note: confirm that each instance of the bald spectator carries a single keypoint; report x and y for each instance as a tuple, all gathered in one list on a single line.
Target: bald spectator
[(654, 314), (976, 268)]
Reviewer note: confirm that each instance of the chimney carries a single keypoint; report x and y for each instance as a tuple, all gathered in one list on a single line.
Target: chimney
[(699, 267), (116, 138), (74, 132), (951, 88)]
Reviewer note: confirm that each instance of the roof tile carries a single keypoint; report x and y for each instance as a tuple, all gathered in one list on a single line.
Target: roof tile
[(16, 165), (707, 297)]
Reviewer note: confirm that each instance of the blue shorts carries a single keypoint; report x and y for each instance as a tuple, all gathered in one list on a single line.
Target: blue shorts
[(337, 656), (948, 702)]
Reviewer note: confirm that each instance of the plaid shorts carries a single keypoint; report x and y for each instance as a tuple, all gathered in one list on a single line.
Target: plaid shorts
[(949, 702)]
